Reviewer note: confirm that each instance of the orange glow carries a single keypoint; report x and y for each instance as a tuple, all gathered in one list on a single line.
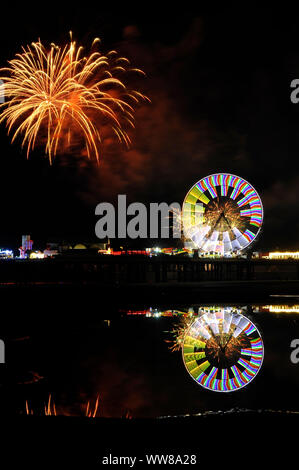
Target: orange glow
[(56, 94), (89, 413), (49, 409)]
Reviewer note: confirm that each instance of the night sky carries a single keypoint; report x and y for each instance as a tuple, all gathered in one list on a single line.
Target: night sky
[(219, 86)]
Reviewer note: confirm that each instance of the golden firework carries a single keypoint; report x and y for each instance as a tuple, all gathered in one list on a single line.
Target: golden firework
[(56, 94), (178, 333), (223, 215)]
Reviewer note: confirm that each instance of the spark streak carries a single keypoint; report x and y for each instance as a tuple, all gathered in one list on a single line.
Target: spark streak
[(57, 94)]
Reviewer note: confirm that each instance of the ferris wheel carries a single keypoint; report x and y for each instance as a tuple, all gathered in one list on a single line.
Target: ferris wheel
[(222, 213), (223, 351)]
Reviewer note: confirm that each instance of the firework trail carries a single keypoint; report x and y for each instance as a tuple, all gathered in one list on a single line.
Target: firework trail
[(178, 333), (57, 94)]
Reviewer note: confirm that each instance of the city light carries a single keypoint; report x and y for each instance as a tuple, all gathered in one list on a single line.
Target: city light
[(37, 255), (282, 308), (283, 255), (6, 254)]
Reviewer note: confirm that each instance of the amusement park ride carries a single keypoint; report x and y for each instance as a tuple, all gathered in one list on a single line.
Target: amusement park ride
[(222, 214), (222, 350)]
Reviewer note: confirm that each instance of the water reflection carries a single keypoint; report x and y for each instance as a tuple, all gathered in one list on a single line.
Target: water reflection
[(223, 350), (153, 312), (132, 360), (281, 308)]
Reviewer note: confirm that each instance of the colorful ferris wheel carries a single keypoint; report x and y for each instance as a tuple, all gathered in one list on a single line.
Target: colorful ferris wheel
[(222, 213), (223, 351)]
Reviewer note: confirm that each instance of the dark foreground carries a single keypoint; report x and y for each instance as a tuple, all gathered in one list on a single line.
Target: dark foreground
[(165, 294), (221, 440)]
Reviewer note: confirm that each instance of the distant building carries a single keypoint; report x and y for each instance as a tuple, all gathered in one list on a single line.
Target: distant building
[(64, 246), (6, 254), (36, 255), (50, 252), (26, 246), (74, 248)]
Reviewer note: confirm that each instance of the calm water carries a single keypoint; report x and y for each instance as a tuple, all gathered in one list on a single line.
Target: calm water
[(63, 341)]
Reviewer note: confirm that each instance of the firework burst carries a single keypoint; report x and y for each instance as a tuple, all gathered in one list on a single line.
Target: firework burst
[(178, 333), (55, 95), (224, 215)]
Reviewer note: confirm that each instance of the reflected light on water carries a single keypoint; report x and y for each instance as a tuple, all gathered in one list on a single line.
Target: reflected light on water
[(281, 308)]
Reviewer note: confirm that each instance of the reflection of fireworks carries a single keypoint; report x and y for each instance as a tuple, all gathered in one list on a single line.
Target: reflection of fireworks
[(224, 349), (224, 345), (92, 413), (178, 333), (51, 93), (49, 409)]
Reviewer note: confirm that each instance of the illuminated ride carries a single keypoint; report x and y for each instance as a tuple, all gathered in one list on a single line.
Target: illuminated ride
[(222, 213), (223, 351)]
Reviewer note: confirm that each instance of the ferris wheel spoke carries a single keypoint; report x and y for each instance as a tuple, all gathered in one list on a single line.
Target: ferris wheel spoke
[(231, 350), (231, 214)]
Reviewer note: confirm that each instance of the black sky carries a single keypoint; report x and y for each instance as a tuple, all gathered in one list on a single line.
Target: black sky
[(220, 90)]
